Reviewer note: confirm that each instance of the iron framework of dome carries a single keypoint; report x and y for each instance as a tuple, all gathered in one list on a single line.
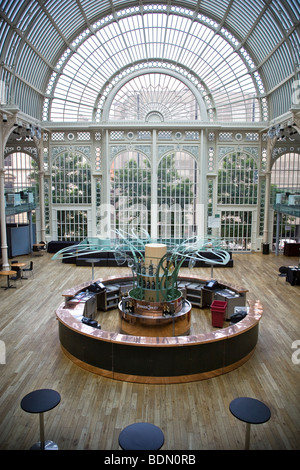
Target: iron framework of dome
[(187, 110), (87, 47)]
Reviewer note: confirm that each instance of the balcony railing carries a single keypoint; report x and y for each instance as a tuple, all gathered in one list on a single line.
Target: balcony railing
[(287, 202), (19, 200)]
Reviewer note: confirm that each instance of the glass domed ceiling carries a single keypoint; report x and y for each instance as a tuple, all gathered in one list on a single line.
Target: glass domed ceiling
[(154, 40), (179, 43), (63, 60)]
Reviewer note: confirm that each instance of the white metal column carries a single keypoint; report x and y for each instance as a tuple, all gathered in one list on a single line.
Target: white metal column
[(154, 206)]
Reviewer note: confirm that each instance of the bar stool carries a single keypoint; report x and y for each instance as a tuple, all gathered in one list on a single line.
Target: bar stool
[(251, 411), (141, 436), (40, 401)]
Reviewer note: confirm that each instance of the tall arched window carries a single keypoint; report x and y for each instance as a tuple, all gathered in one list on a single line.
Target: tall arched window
[(286, 171), (71, 185), (238, 179), (237, 186), (177, 196), (285, 178), (130, 177), (71, 179)]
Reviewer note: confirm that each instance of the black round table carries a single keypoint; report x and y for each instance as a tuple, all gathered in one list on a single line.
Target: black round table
[(141, 436), (251, 411), (40, 401)]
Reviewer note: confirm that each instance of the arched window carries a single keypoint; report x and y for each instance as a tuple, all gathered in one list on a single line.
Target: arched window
[(286, 171), (237, 179), (154, 97), (177, 196), (237, 185), (71, 179), (285, 179), (130, 177), (71, 185)]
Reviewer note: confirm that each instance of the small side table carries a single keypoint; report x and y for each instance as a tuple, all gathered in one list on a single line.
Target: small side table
[(20, 270), (141, 436), (7, 274), (40, 401), (251, 411)]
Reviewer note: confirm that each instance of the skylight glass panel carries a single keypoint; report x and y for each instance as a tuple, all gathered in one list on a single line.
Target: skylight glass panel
[(144, 39), (158, 95), (280, 10), (294, 6), (246, 21), (67, 19), (11, 8)]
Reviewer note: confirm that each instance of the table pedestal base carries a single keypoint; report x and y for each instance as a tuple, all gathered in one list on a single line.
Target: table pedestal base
[(40, 401), (247, 438), (47, 445)]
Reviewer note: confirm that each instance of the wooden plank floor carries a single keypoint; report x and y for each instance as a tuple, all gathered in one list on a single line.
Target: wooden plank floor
[(193, 416)]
